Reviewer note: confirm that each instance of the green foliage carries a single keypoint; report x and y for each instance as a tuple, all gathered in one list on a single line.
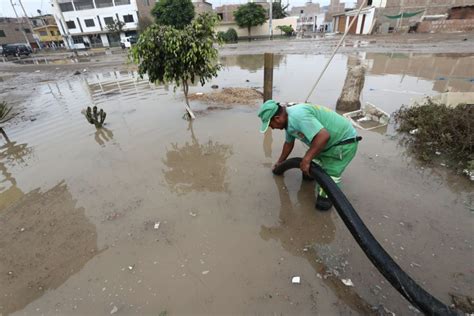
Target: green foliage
[(95, 117), (436, 129), (278, 10), (116, 27), (287, 29), (230, 36), (250, 14), (176, 13), (4, 111), (170, 55)]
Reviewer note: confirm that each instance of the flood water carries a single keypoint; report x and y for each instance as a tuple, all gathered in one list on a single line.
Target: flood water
[(153, 213)]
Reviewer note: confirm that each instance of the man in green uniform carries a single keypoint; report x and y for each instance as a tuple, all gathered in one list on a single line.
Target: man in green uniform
[(331, 138)]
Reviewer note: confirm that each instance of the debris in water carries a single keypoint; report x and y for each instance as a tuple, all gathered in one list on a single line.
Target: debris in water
[(131, 267), (37, 70), (414, 264), (296, 280), (205, 272), (347, 282), (382, 310), (22, 229), (214, 86), (463, 302), (157, 225), (199, 93), (192, 214), (438, 153), (414, 131), (77, 72), (114, 310)]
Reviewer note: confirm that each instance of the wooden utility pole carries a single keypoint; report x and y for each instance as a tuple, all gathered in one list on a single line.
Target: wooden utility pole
[(268, 77)]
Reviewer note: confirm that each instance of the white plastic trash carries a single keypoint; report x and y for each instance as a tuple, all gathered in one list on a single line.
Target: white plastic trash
[(296, 280)]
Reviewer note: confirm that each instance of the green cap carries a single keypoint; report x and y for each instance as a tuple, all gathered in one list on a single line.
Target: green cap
[(266, 112)]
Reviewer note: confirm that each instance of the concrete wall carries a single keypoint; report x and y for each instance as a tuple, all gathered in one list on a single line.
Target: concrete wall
[(13, 31), (446, 26), (259, 31)]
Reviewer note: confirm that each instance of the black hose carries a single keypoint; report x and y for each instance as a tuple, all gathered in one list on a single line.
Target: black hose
[(414, 293)]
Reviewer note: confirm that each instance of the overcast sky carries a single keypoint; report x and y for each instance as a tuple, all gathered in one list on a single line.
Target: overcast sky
[(44, 5)]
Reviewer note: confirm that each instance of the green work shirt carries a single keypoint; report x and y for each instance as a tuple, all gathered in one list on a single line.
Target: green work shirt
[(306, 120)]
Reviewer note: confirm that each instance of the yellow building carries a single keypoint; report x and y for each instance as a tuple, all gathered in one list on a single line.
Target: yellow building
[(47, 31)]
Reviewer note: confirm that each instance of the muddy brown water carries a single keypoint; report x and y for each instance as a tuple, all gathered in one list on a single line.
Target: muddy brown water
[(79, 205)]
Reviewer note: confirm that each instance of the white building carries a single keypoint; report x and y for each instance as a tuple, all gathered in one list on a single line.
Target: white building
[(84, 22)]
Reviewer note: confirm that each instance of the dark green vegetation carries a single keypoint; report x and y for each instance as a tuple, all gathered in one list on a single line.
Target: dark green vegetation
[(95, 117), (176, 13), (250, 14), (438, 130)]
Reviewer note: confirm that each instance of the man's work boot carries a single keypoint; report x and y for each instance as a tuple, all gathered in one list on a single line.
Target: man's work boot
[(323, 203)]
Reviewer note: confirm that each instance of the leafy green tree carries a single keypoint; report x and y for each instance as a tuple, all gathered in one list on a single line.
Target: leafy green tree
[(169, 55), (287, 29), (250, 14), (278, 10), (176, 13)]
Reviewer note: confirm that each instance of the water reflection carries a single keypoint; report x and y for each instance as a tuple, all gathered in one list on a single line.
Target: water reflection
[(251, 63), (306, 233), (103, 135), (453, 72), (267, 143), (123, 85), (197, 167), (11, 154), (45, 239)]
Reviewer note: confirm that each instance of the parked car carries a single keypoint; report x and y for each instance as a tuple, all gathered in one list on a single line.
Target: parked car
[(128, 41), (16, 50)]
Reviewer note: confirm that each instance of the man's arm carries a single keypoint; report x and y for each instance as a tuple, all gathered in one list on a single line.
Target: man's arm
[(317, 145), (286, 151)]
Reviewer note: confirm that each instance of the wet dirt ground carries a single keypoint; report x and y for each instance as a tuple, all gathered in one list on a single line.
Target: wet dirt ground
[(79, 206)]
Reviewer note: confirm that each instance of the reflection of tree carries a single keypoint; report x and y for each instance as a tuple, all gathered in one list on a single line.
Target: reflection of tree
[(197, 167), (103, 135), (11, 154), (251, 62), (44, 239), (300, 228)]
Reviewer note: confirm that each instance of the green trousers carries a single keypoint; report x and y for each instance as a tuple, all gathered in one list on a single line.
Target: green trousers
[(334, 162)]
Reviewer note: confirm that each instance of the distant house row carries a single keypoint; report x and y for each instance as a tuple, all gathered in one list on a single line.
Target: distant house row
[(83, 23)]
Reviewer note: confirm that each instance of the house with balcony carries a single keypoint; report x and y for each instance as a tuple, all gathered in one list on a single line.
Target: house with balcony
[(46, 29), (85, 22)]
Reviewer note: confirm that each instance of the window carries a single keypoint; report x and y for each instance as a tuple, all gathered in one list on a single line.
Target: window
[(89, 22), (27, 30), (2, 33), (71, 24), (146, 2), (109, 20), (302, 11), (122, 2), (43, 33), (220, 16), (128, 18), (83, 4), (65, 7), (78, 39), (103, 3)]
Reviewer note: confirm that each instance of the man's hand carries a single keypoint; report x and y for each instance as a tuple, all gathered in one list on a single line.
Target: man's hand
[(276, 165), (304, 166)]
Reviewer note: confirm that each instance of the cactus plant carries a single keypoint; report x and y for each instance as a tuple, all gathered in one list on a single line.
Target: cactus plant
[(95, 117)]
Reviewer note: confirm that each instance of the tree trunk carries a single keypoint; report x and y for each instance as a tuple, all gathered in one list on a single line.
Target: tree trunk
[(349, 99), (249, 27), (188, 108)]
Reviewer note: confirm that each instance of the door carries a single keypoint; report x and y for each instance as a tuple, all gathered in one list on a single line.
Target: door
[(353, 28), (341, 26)]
